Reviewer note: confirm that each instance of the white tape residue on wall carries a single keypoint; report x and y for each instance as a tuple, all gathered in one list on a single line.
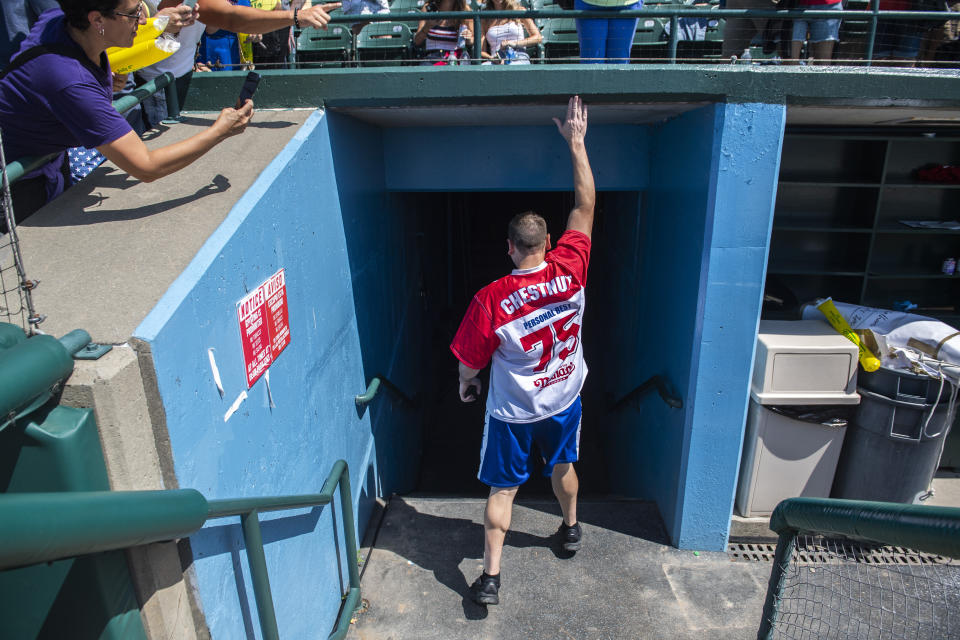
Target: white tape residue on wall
[(236, 405), (266, 376), (216, 372)]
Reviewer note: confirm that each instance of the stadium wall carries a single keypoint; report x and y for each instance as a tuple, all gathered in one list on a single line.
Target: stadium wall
[(291, 218)]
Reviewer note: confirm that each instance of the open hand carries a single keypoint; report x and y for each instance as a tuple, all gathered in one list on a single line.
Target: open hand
[(574, 127)]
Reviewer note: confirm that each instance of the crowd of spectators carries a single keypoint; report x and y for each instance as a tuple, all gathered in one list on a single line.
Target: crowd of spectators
[(57, 91)]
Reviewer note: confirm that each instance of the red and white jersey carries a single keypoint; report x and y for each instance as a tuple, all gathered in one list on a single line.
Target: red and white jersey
[(528, 323)]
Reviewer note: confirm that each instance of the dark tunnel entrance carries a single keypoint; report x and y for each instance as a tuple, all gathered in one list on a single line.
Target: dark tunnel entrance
[(464, 248)]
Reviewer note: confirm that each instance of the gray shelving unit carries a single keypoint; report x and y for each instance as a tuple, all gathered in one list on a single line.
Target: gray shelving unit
[(837, 229)]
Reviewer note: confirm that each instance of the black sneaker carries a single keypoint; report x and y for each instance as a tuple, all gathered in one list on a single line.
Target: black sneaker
[(485, 589), (570, 536)]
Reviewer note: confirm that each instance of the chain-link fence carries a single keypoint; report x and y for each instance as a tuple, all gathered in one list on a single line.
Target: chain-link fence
[(16, 299)]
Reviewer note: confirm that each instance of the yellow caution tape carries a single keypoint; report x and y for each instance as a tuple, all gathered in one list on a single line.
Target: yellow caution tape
[(868, 361)]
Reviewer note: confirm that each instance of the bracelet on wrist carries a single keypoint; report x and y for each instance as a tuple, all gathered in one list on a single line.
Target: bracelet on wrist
[(296, 21)]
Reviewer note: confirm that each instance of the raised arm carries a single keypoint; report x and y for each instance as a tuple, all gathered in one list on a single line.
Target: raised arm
[(220, 14), (573, 130)]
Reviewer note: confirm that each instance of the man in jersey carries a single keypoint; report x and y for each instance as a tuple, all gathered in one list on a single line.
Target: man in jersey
[(527, 325)]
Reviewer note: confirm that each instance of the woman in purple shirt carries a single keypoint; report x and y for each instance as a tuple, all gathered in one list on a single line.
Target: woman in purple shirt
[(57, 93)]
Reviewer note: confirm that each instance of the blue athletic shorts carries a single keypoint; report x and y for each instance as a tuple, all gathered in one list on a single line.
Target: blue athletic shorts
[(505, 452)]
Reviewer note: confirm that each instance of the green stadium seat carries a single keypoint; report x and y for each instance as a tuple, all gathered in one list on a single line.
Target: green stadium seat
[(648, 41), (384, 44), (560, 43), (329, 48), (707, 49)]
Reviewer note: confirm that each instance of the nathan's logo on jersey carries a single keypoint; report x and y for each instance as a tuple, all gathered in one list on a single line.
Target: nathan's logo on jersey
[(561, 374), (534, 292)]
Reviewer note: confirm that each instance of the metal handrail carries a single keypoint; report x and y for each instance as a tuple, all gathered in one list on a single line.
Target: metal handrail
[(659, 11), (367, 397), (924, 528), (654, 381), (43, 527), (19, 168)]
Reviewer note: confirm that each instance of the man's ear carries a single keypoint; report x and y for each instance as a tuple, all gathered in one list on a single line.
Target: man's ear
[(547, 246), (510, 248)]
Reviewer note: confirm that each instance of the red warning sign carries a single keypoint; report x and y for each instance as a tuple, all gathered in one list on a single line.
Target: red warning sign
[(264, 325)]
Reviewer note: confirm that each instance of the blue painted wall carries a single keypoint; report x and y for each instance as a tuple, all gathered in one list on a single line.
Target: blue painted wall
[(511, 158), (290, 218), (694, 257), (745, 163), (682, 267), (384, 246)]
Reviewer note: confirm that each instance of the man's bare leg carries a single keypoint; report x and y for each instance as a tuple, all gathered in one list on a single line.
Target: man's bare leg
[(565, 487), (496, 522), (822, 52)]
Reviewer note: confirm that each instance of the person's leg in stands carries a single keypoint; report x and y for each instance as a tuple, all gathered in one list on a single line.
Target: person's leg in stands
[(824, 34), (592, 35), (620, 35), (183, 85), (796, 41), (738, 32)]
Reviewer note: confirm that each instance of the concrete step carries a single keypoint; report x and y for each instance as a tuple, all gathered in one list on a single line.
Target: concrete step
[(626, 582)]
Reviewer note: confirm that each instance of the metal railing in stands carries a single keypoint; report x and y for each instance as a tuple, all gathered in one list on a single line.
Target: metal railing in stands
[(661, 11), (22, 166), (42, 527)]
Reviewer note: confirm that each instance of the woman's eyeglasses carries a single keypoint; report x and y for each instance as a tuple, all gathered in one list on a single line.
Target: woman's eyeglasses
[(135, 16)]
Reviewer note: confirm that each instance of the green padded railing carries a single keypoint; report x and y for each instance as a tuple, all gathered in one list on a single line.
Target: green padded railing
[(923, 528), (22, 166), (42, 527)]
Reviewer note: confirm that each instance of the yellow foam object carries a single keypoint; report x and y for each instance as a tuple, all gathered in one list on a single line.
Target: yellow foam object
[(868, 361), (246, 48), (130, 59), (154, 27)]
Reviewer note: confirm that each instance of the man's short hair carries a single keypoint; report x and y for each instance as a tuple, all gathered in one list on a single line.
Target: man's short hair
[(528, 231)]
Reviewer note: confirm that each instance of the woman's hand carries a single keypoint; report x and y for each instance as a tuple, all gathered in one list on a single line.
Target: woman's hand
[(180, 16), (230, 122)]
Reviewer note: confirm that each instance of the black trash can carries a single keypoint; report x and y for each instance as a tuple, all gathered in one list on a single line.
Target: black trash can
[(893, 445)]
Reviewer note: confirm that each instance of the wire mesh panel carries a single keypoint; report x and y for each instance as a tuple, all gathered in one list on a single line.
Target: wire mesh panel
[(16, 305), (841, 589)]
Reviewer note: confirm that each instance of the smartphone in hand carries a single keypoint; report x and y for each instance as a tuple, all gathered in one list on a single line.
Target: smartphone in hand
[(189, 3), (249, 88)]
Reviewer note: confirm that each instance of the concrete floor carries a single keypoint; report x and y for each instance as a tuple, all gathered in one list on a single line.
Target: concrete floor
[(626, 582)]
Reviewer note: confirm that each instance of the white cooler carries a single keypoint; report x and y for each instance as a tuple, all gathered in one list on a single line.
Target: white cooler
[(799, 367)]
